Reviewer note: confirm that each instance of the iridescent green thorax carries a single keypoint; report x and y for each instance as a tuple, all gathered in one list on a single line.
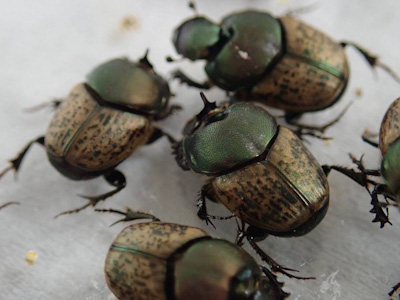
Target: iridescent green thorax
[(391, 168), (215, 269), (130, 84), (241, 133), (194, 38), (254, 43)]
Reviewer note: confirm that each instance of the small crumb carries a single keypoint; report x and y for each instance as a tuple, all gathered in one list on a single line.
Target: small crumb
[(359, 92), (129, 23), (31, 257)]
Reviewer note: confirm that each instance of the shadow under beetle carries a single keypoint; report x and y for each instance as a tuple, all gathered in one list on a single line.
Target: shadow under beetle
[(103, 121), (389, 145), (157, 260), (260, 171), (280, 62)]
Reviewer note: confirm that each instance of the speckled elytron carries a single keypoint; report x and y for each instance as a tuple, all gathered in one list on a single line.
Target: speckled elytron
[(104, 120), (169, 261), (260, 171)]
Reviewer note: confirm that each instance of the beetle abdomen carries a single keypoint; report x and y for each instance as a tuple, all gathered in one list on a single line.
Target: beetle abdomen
[(280, 194), (310, 76), (86, 138), (136, 264)]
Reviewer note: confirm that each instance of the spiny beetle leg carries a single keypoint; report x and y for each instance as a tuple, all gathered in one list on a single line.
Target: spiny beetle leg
[(130, 215)]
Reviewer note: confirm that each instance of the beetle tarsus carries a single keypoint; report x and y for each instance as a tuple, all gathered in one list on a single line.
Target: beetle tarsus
[(366, 137), (16, 162), (130, 215), (8, 203), (183, 78), (372, 60)]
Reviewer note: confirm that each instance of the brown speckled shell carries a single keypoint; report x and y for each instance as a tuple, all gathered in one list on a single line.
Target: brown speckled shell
[(91, 137), (139, 271), (280, 193), (390, 126), (300, 80)]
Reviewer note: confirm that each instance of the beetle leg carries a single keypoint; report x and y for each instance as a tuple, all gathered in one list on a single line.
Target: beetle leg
[(202, 212), (158, 133), (16, 162), (366, 137), (53, 104), (130, 215), (115, 178), (183, 78), (167, 112), (272, 279), (275, 267), (303, 129), (395, 289), (7, 204), (372, 60)]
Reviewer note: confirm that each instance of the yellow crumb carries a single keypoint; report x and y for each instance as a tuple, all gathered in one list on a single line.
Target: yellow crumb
[(31, 257)]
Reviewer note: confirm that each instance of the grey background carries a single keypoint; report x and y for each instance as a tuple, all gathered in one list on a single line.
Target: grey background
[(49, 46)]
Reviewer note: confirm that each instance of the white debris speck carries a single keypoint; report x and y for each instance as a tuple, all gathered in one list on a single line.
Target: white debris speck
[(331, 285), (243, 54)]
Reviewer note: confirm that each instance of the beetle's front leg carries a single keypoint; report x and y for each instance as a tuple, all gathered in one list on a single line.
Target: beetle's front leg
[(277, 286), (183, 78), (202, 212), (372, 60), (16, 162), (115, 178)]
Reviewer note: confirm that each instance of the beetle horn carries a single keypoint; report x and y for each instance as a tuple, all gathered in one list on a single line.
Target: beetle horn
[(144, 60)]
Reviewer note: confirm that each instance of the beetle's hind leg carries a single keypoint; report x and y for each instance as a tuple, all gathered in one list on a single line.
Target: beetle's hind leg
[(7, 204), (372, 60), (16, 162), (115, 178), (183, 78), (130, 215)]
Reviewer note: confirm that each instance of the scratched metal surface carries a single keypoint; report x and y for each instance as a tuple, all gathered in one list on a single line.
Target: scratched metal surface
[(47, 46)]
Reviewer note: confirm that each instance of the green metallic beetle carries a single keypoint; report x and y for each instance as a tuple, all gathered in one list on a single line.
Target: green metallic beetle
[(280, 62), (389, 145), (158, 260), (103, 121), (260, 171)]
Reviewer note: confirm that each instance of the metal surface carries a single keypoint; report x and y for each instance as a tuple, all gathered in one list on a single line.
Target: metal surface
[(49, 46)]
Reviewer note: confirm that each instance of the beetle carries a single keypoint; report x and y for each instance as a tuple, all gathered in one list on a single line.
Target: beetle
[(157, 260), (389, 145), (102, 121), (280, 62), (260, 171)]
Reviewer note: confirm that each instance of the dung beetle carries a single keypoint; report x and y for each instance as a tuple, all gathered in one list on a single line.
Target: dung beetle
[(389, 145), (157, 260), (280, 62), (260, 171), (102, 121)]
